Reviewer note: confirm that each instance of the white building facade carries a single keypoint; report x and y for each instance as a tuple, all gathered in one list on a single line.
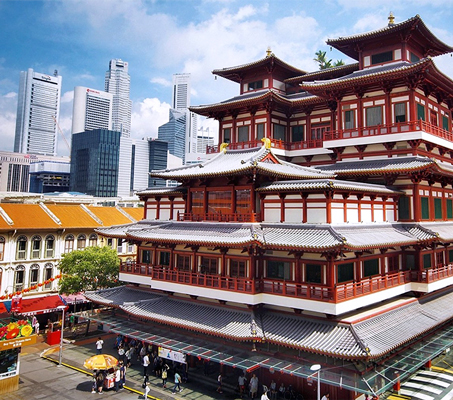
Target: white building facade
[(38, 111), (92, 109), (118, 83)]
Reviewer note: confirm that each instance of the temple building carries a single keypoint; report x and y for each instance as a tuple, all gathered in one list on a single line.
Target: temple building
[(319, 233)]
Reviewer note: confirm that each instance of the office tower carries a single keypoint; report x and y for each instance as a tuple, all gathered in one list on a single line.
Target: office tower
[(92, 109), (181, 92), (137, 159), (38, 111), (181, 102), (174, 133), (94, 162), (118, 83)]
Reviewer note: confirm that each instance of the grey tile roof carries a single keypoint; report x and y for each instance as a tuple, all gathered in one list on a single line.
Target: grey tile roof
[(283, 235), (391, 329), (235, 162), (193, 233), (378, 166), (362, 236), (443, 230), (300, 236), (163, 191), (323, 184), (373, 336)]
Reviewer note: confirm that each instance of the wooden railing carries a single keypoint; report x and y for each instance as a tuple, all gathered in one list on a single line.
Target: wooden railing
[(399, 127), (337, 294), (432, 274), (220, 217)]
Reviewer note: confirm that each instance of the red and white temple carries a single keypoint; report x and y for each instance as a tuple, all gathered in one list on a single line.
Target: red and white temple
[(319, 232)]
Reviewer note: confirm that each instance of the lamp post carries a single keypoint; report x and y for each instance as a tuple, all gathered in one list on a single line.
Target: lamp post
[(317, 369), (62, 308)]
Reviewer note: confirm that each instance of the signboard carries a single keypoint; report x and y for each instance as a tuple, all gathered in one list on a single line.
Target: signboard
[(172, 355), (19, 342)]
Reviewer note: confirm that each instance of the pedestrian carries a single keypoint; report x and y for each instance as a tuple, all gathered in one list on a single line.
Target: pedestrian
[(100, 381), (264, 395), (117, 379), (94, 385), (253, 386), (145, 365), (177, 383), (325, 397), (242, 380), (164, 375), (128, 356), (219, 383), (121, 352), (273, 390), (99, 345), (122, 375), (281, 390), (147, 389), (36, 326)]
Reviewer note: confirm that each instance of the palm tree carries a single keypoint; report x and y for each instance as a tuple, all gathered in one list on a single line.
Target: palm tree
[(321, 60)]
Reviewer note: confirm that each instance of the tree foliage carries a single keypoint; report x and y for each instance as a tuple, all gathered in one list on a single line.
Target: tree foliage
[(324, 63), (89, 269)]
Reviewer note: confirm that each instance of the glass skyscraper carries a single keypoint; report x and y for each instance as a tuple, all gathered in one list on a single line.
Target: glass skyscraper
[(95, 162), (118, 83), (38, 111)]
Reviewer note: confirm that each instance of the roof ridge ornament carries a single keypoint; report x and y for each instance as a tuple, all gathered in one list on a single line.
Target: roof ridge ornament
[(268, 51), (267, 142), (391, 19), (223, 147)]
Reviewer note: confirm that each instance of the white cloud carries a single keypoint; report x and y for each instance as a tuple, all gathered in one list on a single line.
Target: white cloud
[(8, 109), (147, 116), (161, 81)]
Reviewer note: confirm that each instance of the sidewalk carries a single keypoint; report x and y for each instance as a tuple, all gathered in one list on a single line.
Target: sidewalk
[(198, 387)]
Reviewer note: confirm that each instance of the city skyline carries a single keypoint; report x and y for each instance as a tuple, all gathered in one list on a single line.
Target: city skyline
[(159, 39)]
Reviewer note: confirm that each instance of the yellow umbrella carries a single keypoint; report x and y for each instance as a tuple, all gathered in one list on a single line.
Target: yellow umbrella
[(100, 361)]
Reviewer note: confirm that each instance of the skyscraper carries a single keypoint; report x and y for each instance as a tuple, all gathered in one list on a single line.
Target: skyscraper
[(94, 162), (181, 102), (118, 83), (38, 110), (92, 109), (174, 133)]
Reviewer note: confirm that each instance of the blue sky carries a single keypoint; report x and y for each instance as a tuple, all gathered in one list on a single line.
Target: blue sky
[(162, 37)]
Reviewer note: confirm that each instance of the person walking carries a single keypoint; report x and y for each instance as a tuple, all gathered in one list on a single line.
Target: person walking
[(147, 389), (242, 380), (325, 397), (100, 381), (164, 375), (177, 383), (253, 386), (99, 345), (145, 366), (219, 383)]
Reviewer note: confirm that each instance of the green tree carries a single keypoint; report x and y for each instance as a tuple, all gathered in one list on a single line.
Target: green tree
[(324, 63), (322, 60), (89, 269)]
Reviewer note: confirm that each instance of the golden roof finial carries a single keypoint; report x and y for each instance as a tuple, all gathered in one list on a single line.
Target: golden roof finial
[(391, 19), (268, 51)]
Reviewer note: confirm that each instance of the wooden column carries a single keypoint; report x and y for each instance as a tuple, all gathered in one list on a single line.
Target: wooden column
[(329, 196), (172, 201), (304, 207), (345, 207), (359, 207), (282, 206), (234, 129), (158, 208)]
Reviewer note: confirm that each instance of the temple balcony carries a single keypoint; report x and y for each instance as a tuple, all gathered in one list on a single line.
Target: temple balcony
[(401, 131), (220, 217), (343, 297)]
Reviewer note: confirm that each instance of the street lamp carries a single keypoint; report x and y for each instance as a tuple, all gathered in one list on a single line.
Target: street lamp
[(62, 308), (317, 369)]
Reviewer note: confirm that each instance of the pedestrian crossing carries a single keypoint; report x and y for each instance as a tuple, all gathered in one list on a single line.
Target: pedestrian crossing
[(429, 385)]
